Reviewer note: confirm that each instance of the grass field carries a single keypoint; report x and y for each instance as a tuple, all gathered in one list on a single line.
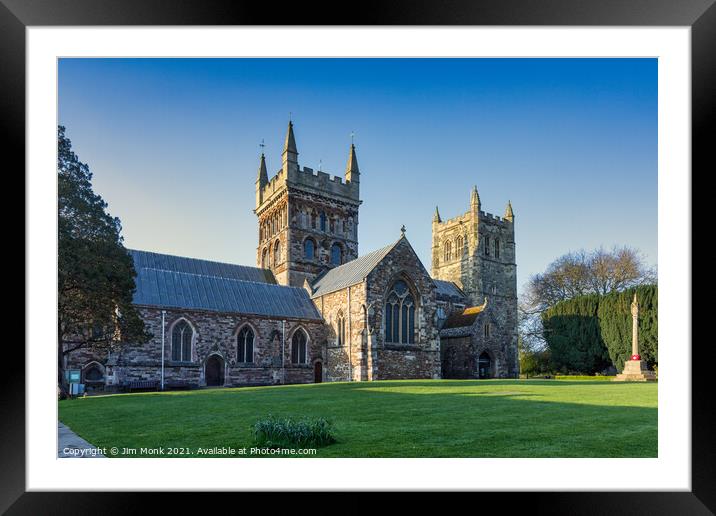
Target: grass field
[(411, 418)]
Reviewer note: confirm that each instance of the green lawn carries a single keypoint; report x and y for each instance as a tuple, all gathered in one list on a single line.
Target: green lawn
[(411, 418)]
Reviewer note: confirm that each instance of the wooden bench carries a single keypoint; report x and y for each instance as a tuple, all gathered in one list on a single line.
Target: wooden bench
[(142, 385)]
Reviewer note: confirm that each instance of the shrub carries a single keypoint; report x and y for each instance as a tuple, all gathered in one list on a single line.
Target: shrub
[(275, 432)]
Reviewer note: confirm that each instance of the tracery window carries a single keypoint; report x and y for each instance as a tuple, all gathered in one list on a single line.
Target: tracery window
[(245, 345), (298, 347), (182, 335), (400, 314), (448, 251)]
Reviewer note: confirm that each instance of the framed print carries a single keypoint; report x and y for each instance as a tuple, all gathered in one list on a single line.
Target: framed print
[(279, 281)]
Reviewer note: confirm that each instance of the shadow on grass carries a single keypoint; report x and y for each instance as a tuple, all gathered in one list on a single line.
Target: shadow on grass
[(411, 418)]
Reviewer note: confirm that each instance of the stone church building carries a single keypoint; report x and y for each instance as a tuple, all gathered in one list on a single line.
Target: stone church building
[(315, 310)]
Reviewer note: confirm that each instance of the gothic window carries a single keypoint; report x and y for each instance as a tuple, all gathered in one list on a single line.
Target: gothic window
[(448, 251), (245, 345), (313, 219), (333, 225), (182, 335), (336, 253), (298, 347), (323, 221), (309, 249), (276, 253), (341, 330), (488, 330), (263, 259), (458, 247), (497, 248), (400, 314), (93, 373), (487, 246)]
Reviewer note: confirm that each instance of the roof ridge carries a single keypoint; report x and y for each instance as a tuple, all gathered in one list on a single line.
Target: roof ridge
[(223, 278), (196, 259)]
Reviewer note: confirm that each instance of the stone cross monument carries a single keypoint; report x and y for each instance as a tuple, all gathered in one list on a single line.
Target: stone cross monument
[(635, 370)]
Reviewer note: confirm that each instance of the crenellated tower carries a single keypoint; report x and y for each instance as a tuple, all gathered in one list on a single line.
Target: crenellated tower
[(308, 221), (476, 250)]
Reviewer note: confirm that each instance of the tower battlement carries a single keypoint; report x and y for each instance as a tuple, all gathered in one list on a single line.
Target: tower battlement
[(475, 250), (308, 220)]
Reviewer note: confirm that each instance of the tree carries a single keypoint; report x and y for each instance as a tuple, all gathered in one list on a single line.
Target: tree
[(615, 322), (95, 271), (573, 335), (576, 274)]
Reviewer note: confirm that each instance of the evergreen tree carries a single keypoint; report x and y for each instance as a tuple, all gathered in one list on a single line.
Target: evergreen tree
[(95, 271), (615, 321), (572, 332)]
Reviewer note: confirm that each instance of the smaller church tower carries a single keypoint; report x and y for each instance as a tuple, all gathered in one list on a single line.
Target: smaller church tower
[(308, 221)]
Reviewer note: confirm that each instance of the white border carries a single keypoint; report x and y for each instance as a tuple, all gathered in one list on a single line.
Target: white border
[(670, 471)]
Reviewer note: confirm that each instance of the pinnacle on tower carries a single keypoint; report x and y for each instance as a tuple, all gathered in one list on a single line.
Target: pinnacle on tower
[(475, 197), (436, 217), (262, 177), (290, 153), (352, 172), (509, 214)]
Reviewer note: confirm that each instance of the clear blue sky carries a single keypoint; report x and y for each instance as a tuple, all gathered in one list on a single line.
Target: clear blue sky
[(174, 144)]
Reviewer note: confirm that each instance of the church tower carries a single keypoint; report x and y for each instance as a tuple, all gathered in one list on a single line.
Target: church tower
[(476, 250), (308, 221)]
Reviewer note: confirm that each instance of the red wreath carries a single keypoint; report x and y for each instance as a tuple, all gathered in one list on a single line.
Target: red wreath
[(636, 357)]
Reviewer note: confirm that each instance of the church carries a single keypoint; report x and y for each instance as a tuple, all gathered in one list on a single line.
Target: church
[(315, 310)]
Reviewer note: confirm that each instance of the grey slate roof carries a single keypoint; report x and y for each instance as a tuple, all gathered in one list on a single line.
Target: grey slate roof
[(168, 281), (349, 273), (448, 288), (204, 267)]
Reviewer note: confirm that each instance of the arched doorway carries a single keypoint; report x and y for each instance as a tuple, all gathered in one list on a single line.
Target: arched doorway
[(318, 372), (214, 371), (484, 365)]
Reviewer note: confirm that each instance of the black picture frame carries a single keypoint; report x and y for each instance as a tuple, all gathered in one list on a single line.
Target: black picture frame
[(700, 15)]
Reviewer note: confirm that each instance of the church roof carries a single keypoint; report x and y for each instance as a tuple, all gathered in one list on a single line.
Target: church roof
[(448, 289), (176, 282), (170, 262), (349, 273), (459, 324)]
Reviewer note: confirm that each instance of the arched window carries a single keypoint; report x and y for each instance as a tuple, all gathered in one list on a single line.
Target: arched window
[(245, 345), (309, 249), (458, 246), (276, 253), (400, 314), (448, 251), (488, 330), (336, 254), (487, 246), (332, 224), (263, 259), (298, 348), (182, 335), (323, 221), (93, 373), (313, 219), (497, 248), (341, 330)]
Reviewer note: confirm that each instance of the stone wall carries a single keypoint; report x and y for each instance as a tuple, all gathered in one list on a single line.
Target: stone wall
[(418, 360), (214, 334)]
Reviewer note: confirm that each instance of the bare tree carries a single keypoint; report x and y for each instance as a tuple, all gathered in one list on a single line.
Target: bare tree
[(575, 274)]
